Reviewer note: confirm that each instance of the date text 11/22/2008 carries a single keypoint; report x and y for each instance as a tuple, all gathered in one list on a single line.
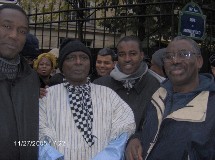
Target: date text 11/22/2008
[(37, 143)]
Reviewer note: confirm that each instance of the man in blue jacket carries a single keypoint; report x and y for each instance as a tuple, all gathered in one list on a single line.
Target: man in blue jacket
[(180, 121)]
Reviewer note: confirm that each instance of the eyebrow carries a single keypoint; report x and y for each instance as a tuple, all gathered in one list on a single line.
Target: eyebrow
[(11, 22), (132, 50)]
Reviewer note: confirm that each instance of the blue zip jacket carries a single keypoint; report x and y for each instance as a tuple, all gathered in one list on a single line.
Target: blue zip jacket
[(181, 126)]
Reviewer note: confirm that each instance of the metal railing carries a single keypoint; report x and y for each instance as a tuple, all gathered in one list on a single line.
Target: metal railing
[(101, 25)]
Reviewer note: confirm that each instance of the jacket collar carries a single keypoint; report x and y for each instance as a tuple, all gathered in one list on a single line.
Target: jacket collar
[(194, 111), (24, 69), (138, 87), (141, 83)]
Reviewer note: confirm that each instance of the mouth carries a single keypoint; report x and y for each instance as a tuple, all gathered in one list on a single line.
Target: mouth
[(102, 71), (177, 71), (78, 71), (11, 46), (128, 66)]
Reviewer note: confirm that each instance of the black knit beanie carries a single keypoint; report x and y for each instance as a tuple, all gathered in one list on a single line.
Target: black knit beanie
[(69, 46)]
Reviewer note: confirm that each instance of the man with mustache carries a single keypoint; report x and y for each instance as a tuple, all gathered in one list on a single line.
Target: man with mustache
[(180, 121), (19, 89), (130, 78)]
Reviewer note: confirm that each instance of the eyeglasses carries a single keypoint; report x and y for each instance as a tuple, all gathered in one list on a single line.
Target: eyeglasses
[(181, 55)]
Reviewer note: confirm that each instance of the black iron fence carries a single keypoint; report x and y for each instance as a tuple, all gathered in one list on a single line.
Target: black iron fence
[(102, 23)]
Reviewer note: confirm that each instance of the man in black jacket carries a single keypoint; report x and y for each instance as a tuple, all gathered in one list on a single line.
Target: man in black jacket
[(130, 78), (19, 89)]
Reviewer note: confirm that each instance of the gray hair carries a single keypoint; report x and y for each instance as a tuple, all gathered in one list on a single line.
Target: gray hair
[(195, 46)]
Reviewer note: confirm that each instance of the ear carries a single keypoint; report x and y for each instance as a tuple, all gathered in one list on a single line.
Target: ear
[(199, 62), (142, 55)]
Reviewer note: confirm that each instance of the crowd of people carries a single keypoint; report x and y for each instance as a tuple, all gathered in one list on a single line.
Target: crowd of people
[(52, 108)]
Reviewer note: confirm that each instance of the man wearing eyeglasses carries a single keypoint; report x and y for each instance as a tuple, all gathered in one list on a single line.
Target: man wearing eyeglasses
[(180, 121)]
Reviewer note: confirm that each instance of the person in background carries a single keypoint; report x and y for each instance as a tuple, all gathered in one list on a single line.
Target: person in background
[(19, 89), (212, 63), (180, 121), (55, 52), (156, 68), (130, 78), (105, 62), (104, 65), (58, 76), (44, 65), (79, 118), (31, 49)]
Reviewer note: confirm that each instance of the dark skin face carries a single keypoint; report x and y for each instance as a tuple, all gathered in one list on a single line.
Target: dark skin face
[(44, 68), (183, 73), (13, 30), (129, 56), (76, 67)]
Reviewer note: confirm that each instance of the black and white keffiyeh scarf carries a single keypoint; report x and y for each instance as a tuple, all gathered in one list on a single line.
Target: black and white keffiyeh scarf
[(81, 106)]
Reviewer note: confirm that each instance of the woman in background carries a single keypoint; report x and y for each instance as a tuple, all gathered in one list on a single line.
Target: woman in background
[(44, 65)]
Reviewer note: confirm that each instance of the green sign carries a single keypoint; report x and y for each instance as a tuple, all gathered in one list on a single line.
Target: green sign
[(192, 22)]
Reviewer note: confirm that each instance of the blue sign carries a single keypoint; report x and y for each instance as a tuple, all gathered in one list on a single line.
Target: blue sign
[(192, 22), (8, 1), (192, 8)]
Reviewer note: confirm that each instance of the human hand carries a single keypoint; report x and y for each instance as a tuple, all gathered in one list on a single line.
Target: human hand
[(134, 150), (43, 92)]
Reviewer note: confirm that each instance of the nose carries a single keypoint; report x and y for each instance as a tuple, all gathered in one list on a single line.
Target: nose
[(78, 60), (13, 33), (44, 66), (127, 57), (176, 59), (102, 64)]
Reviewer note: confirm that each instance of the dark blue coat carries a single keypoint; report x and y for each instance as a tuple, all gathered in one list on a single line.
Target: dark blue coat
[(181, 126)]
